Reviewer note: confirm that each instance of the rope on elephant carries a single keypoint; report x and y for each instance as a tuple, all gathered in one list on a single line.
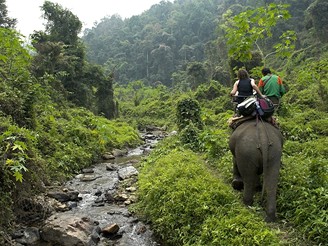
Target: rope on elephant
[(265, 129)]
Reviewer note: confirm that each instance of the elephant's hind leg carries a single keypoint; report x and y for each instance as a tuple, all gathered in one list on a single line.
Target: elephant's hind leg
[(271, 183), (249, 191), (237, 182), (248, 196)]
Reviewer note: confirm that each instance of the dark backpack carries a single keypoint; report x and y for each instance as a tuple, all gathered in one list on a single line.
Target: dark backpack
[(247, 107), (265, 107)]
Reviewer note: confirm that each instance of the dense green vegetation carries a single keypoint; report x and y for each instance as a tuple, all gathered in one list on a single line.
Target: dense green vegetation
[(188, 205), (179, 189), (44, 137), (181, 42), (172, 67)]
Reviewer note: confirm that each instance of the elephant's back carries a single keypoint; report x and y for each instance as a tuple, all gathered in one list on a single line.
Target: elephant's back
[(255, 133)]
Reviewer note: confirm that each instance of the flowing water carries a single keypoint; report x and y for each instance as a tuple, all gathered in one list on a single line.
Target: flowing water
[(94, 203), (103, 194)]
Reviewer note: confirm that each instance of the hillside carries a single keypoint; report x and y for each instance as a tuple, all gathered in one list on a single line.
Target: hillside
[(65, 100), (164, 43)]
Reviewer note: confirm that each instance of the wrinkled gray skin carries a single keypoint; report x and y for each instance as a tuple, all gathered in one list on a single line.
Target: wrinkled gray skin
[(257, 148)]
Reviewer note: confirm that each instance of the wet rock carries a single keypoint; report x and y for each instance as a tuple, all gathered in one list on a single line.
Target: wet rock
[(71, 204), (89, 177), (95, 235), (127, 172), (146, 151), (126, 214), (67, 230), (110, 196), (99, 200), (110, 230), (111, 167), (127, 202), (150, 136), (88, 170), (98, 193), (108, 156), (99, 204), (79, 176), (141, 229), (131, 189), (119, 152), (121, 197), (133, 198), (64, 196), (28, 236), (111, 212), (61, 207)]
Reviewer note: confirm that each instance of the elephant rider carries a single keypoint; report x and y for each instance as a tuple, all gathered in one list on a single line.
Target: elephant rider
[(244, 87), (271, 85)]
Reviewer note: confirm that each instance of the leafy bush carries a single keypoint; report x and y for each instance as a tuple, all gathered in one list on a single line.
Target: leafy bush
[(188, 111), (210, 91), (190, 137), (304, 125), (303, 187), (144, 106), (303, 195), (214, 142), (74, 138), (188, 205)]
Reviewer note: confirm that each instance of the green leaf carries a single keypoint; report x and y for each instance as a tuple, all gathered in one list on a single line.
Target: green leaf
[(18, 176)]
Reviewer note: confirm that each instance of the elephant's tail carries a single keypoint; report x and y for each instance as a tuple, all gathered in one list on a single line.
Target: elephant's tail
[(265, 151), (265, 143)]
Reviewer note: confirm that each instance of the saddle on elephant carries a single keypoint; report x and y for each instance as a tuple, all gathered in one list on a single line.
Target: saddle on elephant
[(251, 108), (236, 121)]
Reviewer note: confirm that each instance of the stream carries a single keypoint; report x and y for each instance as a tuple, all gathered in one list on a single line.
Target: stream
[(92, 208)]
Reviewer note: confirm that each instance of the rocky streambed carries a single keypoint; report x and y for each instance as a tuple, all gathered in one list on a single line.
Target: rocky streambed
[(92, 208)]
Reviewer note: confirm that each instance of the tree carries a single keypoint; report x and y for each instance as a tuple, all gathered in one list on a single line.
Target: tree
[(188, 112), (62, 25), (16, 87), (318, 13), (6, 21), (162, 58), (245, 31), (197, 74), (105, 95), (61, 53)]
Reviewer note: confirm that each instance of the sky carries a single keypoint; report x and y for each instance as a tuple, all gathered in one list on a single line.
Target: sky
[(28, 13)]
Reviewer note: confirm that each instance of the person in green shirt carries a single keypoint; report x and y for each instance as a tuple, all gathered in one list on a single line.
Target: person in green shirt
[(271, 86)]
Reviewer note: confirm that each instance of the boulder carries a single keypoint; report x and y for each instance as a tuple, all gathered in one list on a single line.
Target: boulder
[(127, 172), (69, 230)]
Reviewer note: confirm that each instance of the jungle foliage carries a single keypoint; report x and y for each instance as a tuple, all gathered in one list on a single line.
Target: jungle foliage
[(178, 188), (44, 138), (60, 53), (153, 70), (189, 205), (175, 41)]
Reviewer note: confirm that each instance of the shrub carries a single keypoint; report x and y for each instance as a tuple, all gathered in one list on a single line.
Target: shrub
[(190, 137), (188, 111), (303, 193), (188, 205)]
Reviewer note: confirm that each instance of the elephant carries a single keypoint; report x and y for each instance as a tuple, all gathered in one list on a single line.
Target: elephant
[(256, 146)]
